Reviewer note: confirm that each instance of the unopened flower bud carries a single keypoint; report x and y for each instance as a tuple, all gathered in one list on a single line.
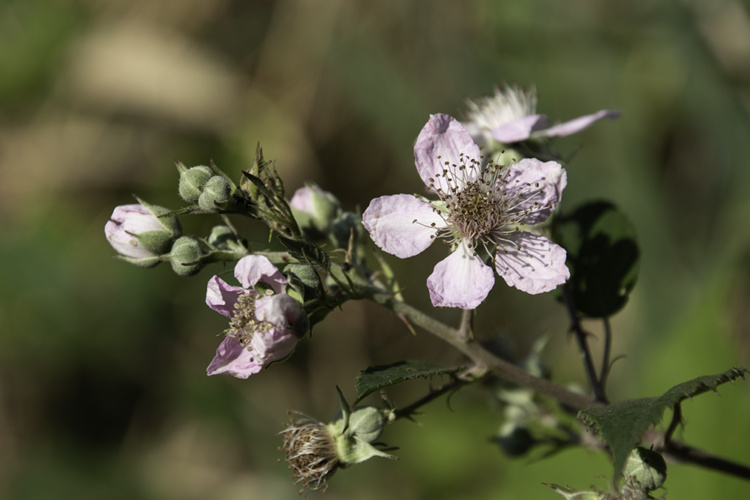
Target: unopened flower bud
[(224, 238), (216, 192), (314, 209), (185, 256), (192, 181), (139, 235), (367, 423), (303, 280), (646, 469)]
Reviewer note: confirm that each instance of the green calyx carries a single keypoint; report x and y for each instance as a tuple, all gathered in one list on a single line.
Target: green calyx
[(353, 431), (185, 256)]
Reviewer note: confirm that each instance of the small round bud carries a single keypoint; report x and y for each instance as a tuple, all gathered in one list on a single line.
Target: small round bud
[(185, 256), (367, 423), (646, 469), (215, 193), (192, 182), (224, 238)]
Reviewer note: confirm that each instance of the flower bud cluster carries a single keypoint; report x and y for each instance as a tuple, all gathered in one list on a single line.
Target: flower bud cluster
[(205, 186)]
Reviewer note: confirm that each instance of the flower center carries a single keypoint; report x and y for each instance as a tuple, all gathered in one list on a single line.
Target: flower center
[(475, 211), (244, 324)]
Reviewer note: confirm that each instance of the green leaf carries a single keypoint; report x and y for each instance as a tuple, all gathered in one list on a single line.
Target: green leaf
[(623, 423), (375, 378), (306, 251), (602, 257)]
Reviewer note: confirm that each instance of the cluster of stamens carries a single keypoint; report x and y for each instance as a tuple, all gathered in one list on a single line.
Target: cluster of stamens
[(480, 203), (244, 324), (310, 452)]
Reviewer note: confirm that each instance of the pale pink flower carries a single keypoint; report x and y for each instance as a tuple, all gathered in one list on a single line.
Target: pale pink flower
[(480, 207), (263, 326), (510, 116)]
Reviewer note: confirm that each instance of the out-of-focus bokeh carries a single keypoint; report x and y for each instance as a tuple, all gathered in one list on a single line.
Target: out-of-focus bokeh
[(103, 392)]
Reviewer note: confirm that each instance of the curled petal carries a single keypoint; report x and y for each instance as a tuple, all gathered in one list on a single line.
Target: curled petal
[(578, 124), (460, 280), (280, 310), (443, 139), (538, 186), (273, 345), (519, 129), (221, 297), (233, 359), (251, 269), (402, 224), (531, 262)]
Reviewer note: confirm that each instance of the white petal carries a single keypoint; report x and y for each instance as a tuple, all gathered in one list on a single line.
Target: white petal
[(443, 139), (402, 224), (520, 129), (537, 185), (460, 280), (251, 269), (578, 124), (221, 297), (531, 262)]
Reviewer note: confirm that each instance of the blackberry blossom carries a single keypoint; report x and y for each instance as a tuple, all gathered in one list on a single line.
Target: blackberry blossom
[(479, 214)]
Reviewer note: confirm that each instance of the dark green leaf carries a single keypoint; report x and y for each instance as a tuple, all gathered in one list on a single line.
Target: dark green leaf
[(602, 257), (306, 251), (379, 377), (622, 424)]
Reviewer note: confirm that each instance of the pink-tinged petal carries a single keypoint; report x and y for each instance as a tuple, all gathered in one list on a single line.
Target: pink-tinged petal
[(578, 124), (538, 187), (251, 269), (127, 222), (303, 200), (443, 139), (221, 297), (273, 345), (520, 129), (233, 359), (280, 310), (460, 280), (402, 224), (531, 262)]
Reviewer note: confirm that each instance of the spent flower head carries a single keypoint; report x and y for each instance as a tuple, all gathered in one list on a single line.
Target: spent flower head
[(510, 116), (264, 325), (315, 450), (481, 208)]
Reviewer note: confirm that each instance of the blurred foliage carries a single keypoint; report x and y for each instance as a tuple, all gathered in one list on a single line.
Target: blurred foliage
[(102, 389)]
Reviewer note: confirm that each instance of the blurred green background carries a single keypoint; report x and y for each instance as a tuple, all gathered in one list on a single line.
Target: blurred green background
[(103, 392)]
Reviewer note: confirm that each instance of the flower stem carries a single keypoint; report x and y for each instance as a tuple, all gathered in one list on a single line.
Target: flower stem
[(580, 333), (408, 411), (501, 368)]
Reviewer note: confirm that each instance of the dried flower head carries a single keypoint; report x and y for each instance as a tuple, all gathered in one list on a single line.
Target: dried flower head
[(310, 452)]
